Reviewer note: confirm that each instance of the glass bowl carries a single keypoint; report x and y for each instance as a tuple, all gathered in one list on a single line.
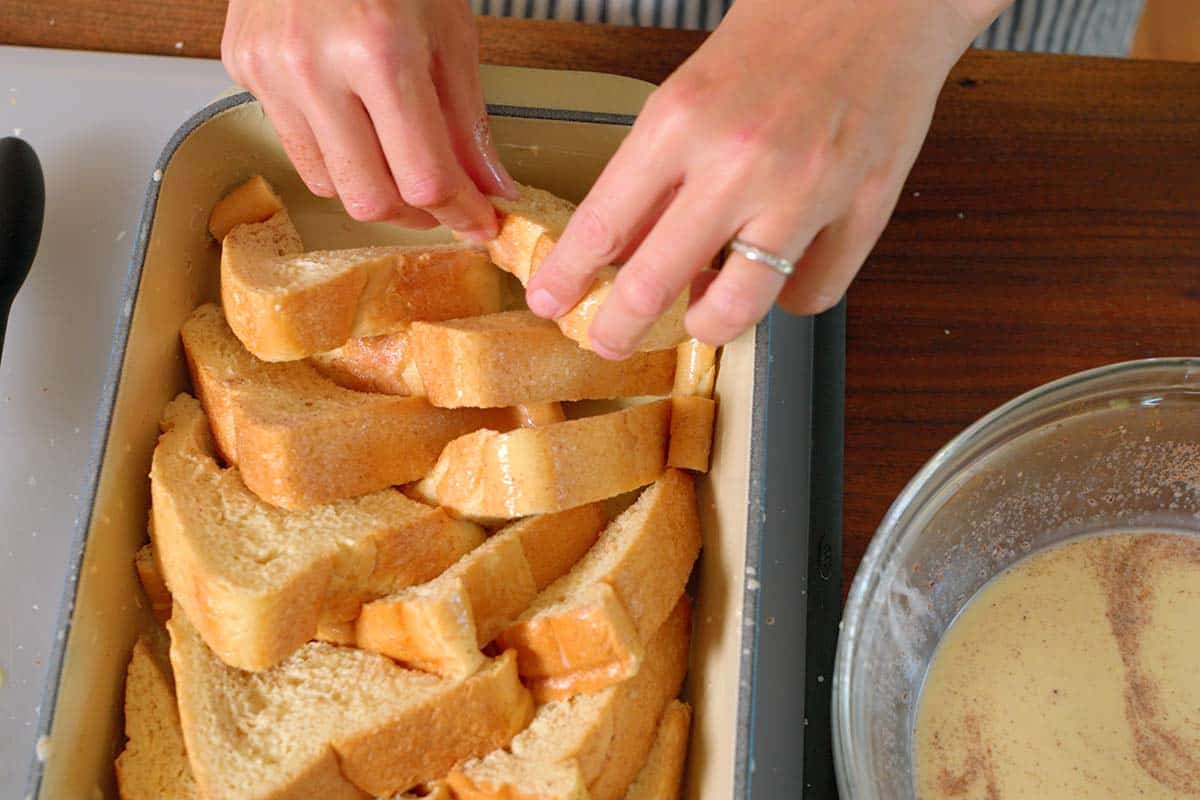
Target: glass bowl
[(1115, 448)]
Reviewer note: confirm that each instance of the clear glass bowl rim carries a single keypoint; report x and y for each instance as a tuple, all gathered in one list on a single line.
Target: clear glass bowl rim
[(976, 437)]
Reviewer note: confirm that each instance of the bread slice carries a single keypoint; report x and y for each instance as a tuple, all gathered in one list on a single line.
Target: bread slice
[(298, 438), (334, 722), (530, 226), (607, 735), (380, 364), (256, 580), (153, 765), (585, 630), (385, 364), (290, 306), (491, 475), (553, 543), (150, 576), (517, 357), (537, 415), (441, 625), (692, 420), (252, 202), (661, 776), (502, 776), (693, 411)]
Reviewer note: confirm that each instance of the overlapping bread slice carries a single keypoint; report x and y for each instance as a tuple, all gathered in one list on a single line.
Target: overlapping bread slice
[(587, 630), (517, 357), (298, 438), (530, 226), (153, 765), (153, 585), (441, 625), (285, 304), (661, 777), (257, 580), (493, 475), (590, 745), (693, 411), (494, 360), (334, 722), (382, 364)]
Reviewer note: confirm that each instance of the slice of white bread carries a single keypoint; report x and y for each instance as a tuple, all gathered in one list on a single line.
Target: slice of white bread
[(298, 438), (500, 775), (441, 625), (517, 357), (252, 202), (537, 415), (586, 629), (693, 411), (334, 722), (530, 226), (607, 735), (150, 576), (661, 776), (291, 305), (382, 364), (153, 764), (491, 475), (385, 364), (257, 580)]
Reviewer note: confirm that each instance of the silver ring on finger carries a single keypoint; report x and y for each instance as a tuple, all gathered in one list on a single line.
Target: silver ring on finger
[(750, 252)]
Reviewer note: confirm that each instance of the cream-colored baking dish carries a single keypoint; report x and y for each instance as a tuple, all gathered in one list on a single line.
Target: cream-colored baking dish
[(554, 130)]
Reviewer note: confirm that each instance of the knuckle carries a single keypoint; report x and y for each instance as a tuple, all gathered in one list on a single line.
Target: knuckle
[(380, 49), (253, 59), (433, 189), (598, 237), (370, 208), (644, 295), (298, 59)]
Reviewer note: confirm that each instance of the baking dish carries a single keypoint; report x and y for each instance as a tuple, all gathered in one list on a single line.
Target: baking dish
[(556, 130)]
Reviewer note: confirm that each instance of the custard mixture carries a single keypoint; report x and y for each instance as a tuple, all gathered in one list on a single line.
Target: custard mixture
[(1073, 675)]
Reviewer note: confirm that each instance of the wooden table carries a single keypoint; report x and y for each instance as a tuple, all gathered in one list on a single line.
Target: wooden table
[(1052, 223)]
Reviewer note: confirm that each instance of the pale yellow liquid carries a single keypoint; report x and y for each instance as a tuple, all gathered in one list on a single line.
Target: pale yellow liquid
[(1074, 675)]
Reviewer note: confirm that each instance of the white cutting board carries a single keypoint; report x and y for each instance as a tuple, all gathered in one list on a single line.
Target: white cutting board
[(98, 122)]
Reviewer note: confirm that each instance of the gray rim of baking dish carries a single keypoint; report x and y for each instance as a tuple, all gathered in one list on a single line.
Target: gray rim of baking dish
[(772, 487)]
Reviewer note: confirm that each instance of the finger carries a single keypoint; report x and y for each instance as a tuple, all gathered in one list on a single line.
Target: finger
[(456, 76), (674, 252), (412, 129), (300, 144), (831, 262), (619, 206), (744, 291), (357, 166)]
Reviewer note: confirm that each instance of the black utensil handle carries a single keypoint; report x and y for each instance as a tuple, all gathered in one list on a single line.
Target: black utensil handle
[(22, 207)]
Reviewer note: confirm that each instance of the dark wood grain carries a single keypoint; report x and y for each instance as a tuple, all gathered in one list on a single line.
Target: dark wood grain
[(1052, 223), (152, 26)]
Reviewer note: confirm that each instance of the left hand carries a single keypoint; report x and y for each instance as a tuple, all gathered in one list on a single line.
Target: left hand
[(793, 128)]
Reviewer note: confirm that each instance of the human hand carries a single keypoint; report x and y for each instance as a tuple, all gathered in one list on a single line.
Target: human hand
[(378, 103), (792, 128)]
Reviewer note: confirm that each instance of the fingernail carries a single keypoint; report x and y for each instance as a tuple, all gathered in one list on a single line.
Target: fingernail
[(476, 236), (504, 182), (501, 180), (544, 304), (604, 351)]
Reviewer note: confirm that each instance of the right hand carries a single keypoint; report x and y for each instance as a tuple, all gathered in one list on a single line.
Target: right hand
[(378, 103)]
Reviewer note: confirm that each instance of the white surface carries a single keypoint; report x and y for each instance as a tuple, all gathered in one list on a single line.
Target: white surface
[(98, 123)]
